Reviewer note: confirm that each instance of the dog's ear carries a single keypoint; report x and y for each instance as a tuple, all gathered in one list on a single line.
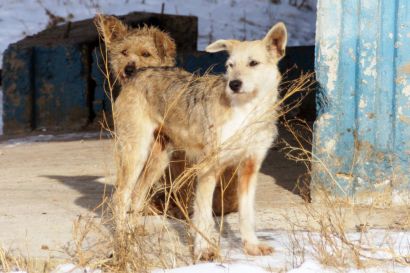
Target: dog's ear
[(165, 45), (220, 45), (110, 28), (276, 39)]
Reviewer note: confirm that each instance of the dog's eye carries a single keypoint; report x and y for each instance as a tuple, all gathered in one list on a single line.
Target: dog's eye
[(229, 65), (146, 54), (124, 52), (253, 63)]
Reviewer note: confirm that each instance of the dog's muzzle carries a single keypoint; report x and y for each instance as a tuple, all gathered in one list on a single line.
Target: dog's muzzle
[(235, 85), (129, 70)]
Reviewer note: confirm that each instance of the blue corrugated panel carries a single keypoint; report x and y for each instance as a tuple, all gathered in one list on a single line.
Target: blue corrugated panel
[(362, 134), (18, 90), (46, 87), (61, 87)]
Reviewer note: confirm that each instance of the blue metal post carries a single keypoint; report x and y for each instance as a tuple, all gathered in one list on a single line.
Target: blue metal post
[(362, 133)]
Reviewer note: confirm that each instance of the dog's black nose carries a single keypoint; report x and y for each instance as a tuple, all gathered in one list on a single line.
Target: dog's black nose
[(235, 85), (129, 70)]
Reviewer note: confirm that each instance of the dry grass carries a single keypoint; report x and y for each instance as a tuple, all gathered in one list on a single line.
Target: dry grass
[(12, 260), (336, 231)]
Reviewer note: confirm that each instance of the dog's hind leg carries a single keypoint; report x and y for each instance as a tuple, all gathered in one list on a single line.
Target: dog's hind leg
[(248, 172), (154, 168), (133, 149)]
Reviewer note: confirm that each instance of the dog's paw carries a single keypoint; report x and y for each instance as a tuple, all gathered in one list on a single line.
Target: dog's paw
[(208, 254), (257, 249)]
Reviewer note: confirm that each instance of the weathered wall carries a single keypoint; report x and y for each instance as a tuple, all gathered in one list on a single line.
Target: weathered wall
[(361, 138)]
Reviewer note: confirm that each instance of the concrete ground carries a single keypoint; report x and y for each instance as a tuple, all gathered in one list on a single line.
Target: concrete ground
[(46, 186)]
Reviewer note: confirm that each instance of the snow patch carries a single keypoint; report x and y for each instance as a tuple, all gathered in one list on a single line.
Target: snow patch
[(382, 245), (310, 267), (215, 268), (71, 268), (45, 138)]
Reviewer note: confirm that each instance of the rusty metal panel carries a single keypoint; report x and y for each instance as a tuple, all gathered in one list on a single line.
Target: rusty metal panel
[(18, 90), (361, 139), (61, 87)]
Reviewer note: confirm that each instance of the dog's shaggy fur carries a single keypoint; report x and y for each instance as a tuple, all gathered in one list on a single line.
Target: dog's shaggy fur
[(130, 49), (218, 121)]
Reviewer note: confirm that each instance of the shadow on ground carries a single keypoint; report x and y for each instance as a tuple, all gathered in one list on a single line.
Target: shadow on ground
[(91, 188), (289, 174)]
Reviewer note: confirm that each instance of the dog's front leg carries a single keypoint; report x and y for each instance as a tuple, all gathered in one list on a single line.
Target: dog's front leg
[(202, 219), (248, 172)]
